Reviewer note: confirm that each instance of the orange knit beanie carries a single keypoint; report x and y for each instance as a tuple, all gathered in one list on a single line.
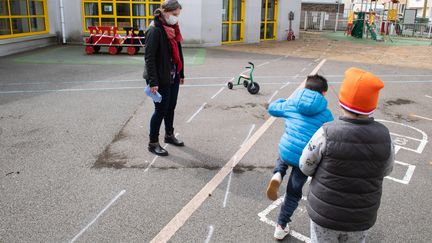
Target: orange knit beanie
[(360, 91)]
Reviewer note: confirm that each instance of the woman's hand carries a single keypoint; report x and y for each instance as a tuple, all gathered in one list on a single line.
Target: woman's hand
[(154, 89), (182, 81)]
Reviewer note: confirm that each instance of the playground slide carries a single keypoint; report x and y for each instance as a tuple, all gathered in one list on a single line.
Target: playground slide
[(373, 33)]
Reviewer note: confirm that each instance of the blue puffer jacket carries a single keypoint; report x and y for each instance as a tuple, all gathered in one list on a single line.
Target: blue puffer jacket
[(305, 112)]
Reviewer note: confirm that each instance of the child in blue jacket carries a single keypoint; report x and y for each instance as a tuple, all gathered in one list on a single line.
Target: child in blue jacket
[(305, 112)]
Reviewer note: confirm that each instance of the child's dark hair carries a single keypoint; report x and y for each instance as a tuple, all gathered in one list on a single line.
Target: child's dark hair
[(168, 6), (316, 83)]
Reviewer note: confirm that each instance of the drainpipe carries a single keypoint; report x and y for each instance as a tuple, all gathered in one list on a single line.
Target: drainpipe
[(337, 16), (62, 21)]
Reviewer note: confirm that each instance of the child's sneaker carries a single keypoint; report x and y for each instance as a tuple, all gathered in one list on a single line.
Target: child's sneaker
[(273, 187), (281, 233)]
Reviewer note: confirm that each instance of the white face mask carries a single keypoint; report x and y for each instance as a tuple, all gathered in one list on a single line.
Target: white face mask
[(172, 20)]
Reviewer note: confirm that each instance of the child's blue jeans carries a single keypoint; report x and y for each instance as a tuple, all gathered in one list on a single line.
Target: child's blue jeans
[(281, 167), (293, 194)]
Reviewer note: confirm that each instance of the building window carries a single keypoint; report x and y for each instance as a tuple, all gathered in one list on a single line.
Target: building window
[(23, 18), (268, 19), (233, 21), (121, 13)]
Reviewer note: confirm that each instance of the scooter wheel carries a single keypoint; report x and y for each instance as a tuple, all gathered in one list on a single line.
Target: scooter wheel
[(253, 88), (245, 83), (230, 85), (293, 38)]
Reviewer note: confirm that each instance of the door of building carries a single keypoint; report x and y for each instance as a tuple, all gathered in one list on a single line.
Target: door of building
[(233, 21), (269, 9)]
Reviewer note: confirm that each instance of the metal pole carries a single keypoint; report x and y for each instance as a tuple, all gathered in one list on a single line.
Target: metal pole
[(337, 16), (306, 20), (430, 30), (62, 21), (430, 17), (321, 21)]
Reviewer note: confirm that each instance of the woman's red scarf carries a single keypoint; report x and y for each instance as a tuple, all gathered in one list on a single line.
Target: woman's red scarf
[(174, 37)]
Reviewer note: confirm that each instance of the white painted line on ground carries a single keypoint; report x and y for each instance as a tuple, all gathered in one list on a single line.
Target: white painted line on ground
[(263, 217), (428, 96), (227, 190), (183, 86), (187, 78), (214, 96), (186, 212), (422, 117), (210, 234), (399, 135), (310, 64), (263, 64), (98, 215), (285, 85), (66, 90), (155, 158), (408, 174), (271, 98), (304, 69), (249, 134), (196, 113), (423, 141)]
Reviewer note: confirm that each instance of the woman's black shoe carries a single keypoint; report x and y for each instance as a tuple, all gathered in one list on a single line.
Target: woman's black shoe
[(171, 139), (155, 148)]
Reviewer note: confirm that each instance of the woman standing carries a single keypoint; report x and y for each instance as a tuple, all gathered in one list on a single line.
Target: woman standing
[(164, 71)]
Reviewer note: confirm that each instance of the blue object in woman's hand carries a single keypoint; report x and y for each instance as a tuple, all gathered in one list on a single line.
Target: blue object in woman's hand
[(156, 97)]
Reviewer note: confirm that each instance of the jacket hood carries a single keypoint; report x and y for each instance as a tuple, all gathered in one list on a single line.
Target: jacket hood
[(309, 102)]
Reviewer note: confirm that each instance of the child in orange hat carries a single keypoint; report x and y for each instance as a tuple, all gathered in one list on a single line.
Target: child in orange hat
[(348, 160)]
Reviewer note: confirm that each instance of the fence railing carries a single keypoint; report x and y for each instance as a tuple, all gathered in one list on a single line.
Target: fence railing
[(325, 21)]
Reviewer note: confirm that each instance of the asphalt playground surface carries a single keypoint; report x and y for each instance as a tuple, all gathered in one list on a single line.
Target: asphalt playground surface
[(74, 165)]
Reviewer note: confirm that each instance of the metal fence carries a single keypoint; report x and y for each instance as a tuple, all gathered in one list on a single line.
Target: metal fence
[(312, 20), (325, 21)]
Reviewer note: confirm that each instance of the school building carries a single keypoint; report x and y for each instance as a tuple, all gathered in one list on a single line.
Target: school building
[(29, 24)]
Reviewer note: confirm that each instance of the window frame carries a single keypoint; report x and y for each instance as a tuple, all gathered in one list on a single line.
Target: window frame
[(146, 3), (28, 18), (267, 22)]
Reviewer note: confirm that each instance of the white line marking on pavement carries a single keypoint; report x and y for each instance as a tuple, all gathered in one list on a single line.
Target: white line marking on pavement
[(210, 234), (66, 90), (408, 174), (423, 141), (263, 64), (186, 212), (35, 82), (263, 217), (155, 158), (274, 94), (249, 134), (310, 64), (428, 96), (97, 216), (227, 190), (196, 113), (283, 86), (304, 69), (422, 117), (186, 86), (398, 135), (214, 96)]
